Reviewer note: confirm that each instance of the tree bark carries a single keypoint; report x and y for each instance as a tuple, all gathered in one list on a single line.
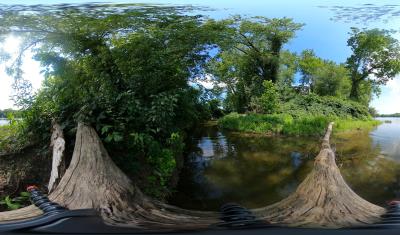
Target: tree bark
[(92, 180), (323, 199), (355, 87), (57, 142)]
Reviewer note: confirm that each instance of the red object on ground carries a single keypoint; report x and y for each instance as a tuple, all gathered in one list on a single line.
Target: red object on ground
[(31, 188)]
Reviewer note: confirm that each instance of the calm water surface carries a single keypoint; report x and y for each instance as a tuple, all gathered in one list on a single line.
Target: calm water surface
[(3, 122), (256, 171)]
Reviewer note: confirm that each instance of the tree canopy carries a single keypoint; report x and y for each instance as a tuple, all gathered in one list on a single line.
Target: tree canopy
[(375, 59), (324, 77), (125, 73), (249, 55)]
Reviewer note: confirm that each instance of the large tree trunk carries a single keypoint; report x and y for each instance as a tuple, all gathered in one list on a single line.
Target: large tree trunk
[(355, 87), (92, 180), (323, 199)]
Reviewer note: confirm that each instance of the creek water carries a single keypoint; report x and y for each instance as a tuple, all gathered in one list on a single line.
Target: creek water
[(3, 122), (256, 171)]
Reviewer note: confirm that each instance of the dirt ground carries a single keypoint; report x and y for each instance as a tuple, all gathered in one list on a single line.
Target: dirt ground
[(30, 166)]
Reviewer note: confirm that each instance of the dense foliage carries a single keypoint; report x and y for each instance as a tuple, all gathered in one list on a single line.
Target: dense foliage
[(126, 75), (241, 66), (7, 112), (303, 115), (12, 203), (250, 54), (303, 105), (375, 60), (323, 77), (287, 124)]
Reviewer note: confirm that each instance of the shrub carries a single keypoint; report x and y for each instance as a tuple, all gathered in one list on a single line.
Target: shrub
[(290, 125), (12, 138), (303, 105), (269, 99)]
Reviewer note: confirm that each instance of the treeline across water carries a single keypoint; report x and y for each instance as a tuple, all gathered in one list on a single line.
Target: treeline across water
[(145, 76), (8, 113), (389, 115)]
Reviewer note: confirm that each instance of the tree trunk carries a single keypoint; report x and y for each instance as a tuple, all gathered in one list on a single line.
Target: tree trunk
[(323, 199), (92, 180), (354, 92), (274, 63), (57, 142)]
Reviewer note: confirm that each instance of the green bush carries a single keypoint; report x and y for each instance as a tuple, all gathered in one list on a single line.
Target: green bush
[(12, 138), (13, 203), (290, 125), (132, 88), (269, 99), (304, 105)]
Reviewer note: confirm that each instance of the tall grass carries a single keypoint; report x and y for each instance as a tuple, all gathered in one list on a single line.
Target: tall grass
[(288, 125)]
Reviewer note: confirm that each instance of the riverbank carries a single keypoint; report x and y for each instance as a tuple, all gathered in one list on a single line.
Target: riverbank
[(286, 124), (9, 142), (5, 132)]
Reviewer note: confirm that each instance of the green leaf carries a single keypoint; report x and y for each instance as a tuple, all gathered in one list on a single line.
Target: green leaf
[(117, 137), (105, 129), (10, 204), (108, 139), (25, 194)]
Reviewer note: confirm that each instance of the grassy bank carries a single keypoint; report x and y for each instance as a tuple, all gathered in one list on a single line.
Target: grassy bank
[(5, 137), (288, 125)]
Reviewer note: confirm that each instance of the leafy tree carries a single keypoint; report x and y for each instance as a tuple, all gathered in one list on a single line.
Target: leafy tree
[(250, 54), (309, 64), (375, 60), (373, 112), (15, 113), (269, 99), (332, 80), (214, 108), (323, 77), (125, 72), (287, 71)]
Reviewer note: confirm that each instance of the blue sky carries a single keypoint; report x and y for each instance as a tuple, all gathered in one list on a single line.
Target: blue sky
[(325, 36)]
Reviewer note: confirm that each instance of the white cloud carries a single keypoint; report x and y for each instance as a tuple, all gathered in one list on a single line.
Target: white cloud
[(208, 82)]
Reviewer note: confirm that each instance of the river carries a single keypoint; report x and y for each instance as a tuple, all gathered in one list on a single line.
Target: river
[(3, 122), (256, 171)]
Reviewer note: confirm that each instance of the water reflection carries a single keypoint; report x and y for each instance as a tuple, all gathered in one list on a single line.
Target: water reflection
[(250, 170), (370, 173), (387, 137), (257, 170)]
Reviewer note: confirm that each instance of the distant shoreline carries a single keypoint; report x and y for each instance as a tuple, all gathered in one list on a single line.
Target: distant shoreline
[(389, 115)]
